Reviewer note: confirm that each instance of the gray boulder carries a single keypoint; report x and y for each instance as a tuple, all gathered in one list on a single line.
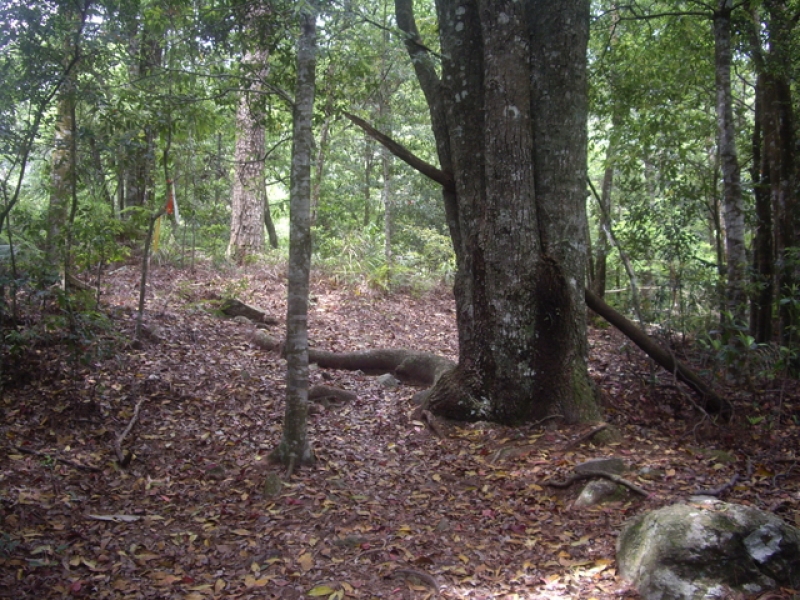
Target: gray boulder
[(707, 549)]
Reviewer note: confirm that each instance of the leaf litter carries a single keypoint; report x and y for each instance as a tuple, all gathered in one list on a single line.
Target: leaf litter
[(390, 510)]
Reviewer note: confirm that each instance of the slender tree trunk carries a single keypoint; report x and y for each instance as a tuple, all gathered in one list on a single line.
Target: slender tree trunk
[(608, 231), (271, 233), (603, 229), (733, 209), (386, 196), (62, 176), (369, 155), (294, 449)]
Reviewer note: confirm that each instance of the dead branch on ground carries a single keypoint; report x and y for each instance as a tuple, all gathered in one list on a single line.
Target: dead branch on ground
[(124, 458)]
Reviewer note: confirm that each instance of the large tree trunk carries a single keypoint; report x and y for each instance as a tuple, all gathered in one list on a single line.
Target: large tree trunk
[(733, 209), (248, 198), (779, 148), (509, 116), (763, 276), (780, 167), (294, 449)]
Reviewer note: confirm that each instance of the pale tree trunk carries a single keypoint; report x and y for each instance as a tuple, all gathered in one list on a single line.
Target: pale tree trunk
[(62, 177), (272, 235), (608, 232), (603, 227), (386, 196), (64, 193), (248, 197), (322, 146), (509, 116), (732, 205), (294, 449), (385, 93), (369, 155)]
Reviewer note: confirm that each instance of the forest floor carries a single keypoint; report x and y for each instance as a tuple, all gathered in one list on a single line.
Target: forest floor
[(389, 511)]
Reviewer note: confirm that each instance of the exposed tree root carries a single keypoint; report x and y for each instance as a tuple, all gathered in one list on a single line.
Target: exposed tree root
[(591, 475), (454, 395), (420, 368)]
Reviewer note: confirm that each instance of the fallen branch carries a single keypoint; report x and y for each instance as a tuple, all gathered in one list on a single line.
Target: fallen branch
[(590, 475), (583, 437), (710, 400), (718, 491), (326, 393), (236, 308), (65, 461), (74, 282), (124, 458)]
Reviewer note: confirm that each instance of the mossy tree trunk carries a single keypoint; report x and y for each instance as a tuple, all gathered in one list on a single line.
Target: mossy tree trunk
[(509, 116)]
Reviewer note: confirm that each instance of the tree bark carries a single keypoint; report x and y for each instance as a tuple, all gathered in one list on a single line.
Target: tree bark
[(780, 150), (763, 277), (733, 209), (146, 47), (62, 176), (509, 117), (294, 449), (249, 207), (780, 167)]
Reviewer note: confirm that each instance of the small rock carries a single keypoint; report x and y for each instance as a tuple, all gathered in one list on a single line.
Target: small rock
[(651, 473), (443, 525), (388, 380), (598, 491)]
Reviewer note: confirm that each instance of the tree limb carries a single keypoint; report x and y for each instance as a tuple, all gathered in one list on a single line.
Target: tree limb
[(664, 358), (441, 177)]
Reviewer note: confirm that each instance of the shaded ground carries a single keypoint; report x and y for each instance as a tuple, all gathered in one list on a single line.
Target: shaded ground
[(389, 511)]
